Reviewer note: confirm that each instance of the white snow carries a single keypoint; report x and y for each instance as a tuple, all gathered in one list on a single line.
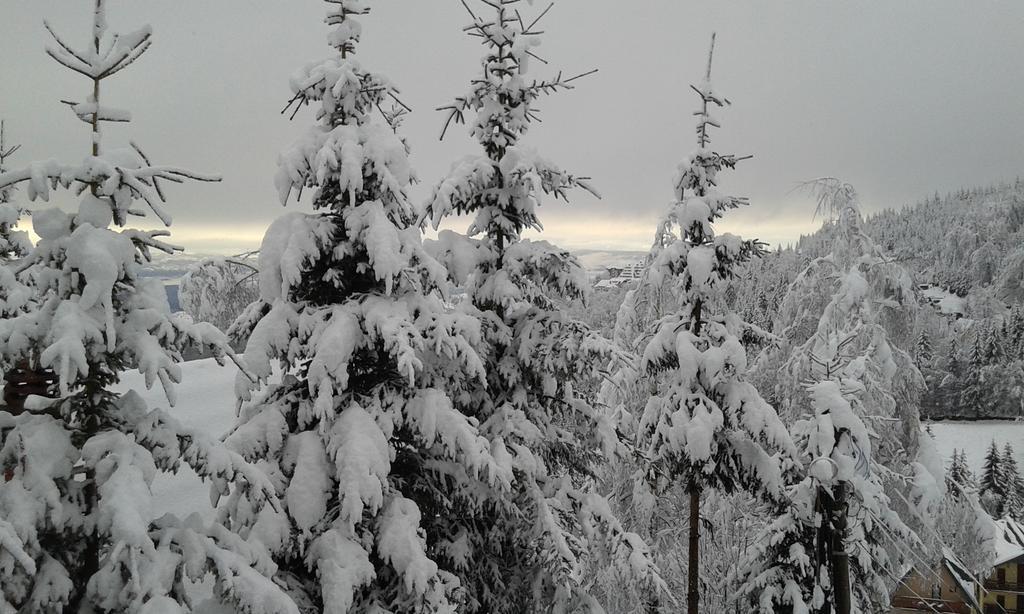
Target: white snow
[(975, 438), (946, 302), (206, 401)]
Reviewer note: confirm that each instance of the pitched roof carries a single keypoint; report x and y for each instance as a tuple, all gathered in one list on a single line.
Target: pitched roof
[(964, 579), (1009, 541)]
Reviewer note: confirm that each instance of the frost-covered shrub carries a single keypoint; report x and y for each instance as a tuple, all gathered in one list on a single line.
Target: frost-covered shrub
[(217, 290)]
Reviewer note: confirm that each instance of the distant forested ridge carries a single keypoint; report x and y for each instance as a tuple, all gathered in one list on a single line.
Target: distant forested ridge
[(965, 254)]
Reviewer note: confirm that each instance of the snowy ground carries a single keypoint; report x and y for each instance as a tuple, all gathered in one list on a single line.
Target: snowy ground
[(206, 400), (975, 438), (946, 302)]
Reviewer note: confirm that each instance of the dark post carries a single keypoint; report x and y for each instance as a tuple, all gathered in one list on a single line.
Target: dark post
[(693, 571), (840, 559)]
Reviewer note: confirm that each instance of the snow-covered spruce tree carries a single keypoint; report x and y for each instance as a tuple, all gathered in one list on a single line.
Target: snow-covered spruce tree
[(703, 425), (387, 487), (959, 473), (992, 485), (78, 528), (837, 507), (974, 395), (951, 386), (923, 351), (528, 550), (1013, 505), (13, 243), (964, 526)]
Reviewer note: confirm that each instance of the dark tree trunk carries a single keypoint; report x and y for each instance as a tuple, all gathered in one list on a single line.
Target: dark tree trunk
[(693, 568)]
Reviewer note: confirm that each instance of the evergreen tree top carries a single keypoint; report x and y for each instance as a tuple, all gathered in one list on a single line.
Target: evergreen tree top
[(343, 92), (686, 247), (346, 30), (503, 188), (119, 177), (510, 42)]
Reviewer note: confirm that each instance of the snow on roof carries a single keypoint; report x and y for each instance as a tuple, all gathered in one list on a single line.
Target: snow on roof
[(964, 579), (1009, 541)]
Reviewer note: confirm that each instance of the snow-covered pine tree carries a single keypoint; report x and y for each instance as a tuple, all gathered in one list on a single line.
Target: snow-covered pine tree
[(1013, 504), (78, 528), (1015, 338), (395, 489), (951, 385), (923, 350), (992, 350), (883, 301), (959, 474), (703, 426), (962, 525), (974, 393), (991, 487), (14, 243), (526, 553)]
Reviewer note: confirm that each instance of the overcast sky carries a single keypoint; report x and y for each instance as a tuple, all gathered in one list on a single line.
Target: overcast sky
[(902, 99)]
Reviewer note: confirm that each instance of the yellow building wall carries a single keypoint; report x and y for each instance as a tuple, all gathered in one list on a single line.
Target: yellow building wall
[(1009, 599)]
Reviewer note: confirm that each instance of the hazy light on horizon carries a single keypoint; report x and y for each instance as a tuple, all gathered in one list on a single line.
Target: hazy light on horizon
[(900, 99)]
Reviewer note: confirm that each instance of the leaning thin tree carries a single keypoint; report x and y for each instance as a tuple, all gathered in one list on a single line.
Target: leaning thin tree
[(78, 526), (704, 425)]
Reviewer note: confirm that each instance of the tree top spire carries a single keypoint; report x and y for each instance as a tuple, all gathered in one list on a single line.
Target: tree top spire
[(711, 53), (707, 95)]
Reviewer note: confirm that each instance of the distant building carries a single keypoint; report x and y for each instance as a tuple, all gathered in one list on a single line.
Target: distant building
[(633, 271), (621, 275)]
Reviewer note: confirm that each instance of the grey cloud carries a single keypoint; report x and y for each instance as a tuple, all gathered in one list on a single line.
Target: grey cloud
[(902, 99)]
